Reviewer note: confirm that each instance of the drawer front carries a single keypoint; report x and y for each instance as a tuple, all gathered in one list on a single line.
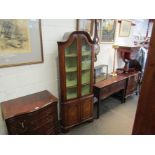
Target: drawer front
[(113, 88), (27, 122), (46, 129), (44, 112), (17, 125)]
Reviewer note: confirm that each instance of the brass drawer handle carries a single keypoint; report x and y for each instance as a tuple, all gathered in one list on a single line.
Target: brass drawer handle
[(22, 125)]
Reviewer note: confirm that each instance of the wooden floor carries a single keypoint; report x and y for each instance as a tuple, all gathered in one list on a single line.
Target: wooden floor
[(115, 119)]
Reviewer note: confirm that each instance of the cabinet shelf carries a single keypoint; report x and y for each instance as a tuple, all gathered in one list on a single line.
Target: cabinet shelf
[(86, 53), (71, 83), (70, 55), (71, 69), (87, 83), (83, 69), (71, 86)]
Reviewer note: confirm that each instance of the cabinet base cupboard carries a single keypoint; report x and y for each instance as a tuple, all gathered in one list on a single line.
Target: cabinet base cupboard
[(76, 66)]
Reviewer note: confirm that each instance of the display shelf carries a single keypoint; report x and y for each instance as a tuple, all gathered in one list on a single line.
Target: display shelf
[(71, 69), (71, 83), (83, 84), (84, 69), (85, 53), (70, 55)]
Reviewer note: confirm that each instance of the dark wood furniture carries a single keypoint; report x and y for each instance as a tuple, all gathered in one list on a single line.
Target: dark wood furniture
[(126, 84), (76, 57), (34, 114), (105, 88), (144, 123), (127, 52), (132, 83)]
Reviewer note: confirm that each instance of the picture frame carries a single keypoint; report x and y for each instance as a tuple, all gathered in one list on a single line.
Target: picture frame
[(20, 42), (125, 28), (108, 29), (85, 25)]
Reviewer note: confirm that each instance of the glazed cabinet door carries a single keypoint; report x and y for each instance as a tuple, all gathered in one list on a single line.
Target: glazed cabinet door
[(86, 67), (71, 71)]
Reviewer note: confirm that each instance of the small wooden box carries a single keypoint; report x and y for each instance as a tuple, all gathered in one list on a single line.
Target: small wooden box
[(34, 114)]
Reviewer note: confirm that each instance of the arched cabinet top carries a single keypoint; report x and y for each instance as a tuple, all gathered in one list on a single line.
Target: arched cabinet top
[(69, 36)]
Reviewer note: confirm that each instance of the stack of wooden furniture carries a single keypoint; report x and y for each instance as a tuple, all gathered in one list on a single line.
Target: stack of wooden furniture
[(35, 114)]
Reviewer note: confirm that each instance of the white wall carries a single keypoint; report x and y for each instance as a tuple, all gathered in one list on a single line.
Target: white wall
[(24, 80), (106, 54)]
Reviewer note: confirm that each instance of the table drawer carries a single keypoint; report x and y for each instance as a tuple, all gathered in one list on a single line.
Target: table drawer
[(110, 89), (118, 86)]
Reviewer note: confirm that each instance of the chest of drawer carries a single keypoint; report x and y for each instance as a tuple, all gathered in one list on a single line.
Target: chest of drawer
[(46, 129), (29, 113), (27, 122)]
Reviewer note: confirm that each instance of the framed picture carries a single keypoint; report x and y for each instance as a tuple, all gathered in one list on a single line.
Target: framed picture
[(20, 42), (108, 27), (125, 28), (85, 25)]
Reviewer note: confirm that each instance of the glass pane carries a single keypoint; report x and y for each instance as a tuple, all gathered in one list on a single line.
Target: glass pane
[(71, 64), (85, 76), (86, 55), (71, 79), (71, 51), (86, 67), (86, 50), (85, 90), (71, 70), (71, 92)]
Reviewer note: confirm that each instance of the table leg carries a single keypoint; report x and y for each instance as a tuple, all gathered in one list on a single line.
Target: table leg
[(123, 96)]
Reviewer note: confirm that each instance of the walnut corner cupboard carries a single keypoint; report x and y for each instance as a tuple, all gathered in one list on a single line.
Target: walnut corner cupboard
[(76, 57)]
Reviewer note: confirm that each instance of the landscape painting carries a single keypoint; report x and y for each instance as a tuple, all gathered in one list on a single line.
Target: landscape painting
[(20, 42), (14, 36)]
